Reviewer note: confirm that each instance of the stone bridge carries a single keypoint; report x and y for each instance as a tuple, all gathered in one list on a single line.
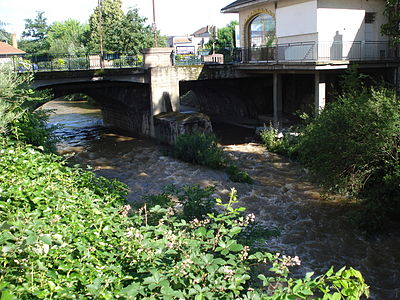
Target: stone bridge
[(130, 99)]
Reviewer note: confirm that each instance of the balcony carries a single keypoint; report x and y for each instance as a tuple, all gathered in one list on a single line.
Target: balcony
[(317, 52)]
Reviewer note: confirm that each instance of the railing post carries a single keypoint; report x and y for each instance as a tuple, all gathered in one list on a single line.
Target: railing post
[(316, 54), (13, 60)]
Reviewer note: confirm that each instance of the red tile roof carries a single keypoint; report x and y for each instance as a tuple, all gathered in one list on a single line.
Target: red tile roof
[(181, 40), (8, 49)]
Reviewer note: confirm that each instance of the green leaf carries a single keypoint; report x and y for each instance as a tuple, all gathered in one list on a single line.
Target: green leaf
[(236, 247), (31, 239), (336, 296), (201, 231), (7, 295), (46, 238)]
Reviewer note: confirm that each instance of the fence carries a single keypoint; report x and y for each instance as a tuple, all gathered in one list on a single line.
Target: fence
[(66, 62), (317, 52)]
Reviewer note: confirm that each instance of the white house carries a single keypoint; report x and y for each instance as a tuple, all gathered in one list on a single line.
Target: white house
[(303, 46), (8, 52), (190, 44), (322, 30)]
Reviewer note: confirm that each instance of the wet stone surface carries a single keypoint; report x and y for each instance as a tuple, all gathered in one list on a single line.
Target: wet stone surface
[(312, 227)]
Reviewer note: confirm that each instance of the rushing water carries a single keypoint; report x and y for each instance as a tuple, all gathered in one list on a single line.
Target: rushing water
[(311, 226)]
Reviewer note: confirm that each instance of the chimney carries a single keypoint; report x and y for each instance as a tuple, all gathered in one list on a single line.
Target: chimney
[(14, 40)]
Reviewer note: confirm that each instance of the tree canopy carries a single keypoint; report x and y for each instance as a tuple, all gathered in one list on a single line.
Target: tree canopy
[(225, 37), (4, 35), (68, 37), (120, 32), (392, 27), (36, 33)]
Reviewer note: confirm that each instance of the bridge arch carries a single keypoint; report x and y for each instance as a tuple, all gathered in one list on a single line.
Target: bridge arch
[(124, 105)]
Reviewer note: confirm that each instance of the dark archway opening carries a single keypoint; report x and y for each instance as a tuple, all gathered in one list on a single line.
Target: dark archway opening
[(235, 106)]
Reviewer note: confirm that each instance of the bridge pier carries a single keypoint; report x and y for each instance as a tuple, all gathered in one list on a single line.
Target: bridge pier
[(320, 93), (164, 82)]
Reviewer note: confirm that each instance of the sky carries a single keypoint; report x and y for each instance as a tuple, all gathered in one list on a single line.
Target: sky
[(173, 17)]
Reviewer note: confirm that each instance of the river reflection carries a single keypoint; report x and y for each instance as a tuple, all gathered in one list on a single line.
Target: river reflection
[(312, 227)]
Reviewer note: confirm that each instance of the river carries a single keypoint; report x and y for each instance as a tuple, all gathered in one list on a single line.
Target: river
[(311, 226)]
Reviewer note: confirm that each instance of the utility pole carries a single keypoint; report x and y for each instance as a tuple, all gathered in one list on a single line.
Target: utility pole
[(154, 27), (101, 33)]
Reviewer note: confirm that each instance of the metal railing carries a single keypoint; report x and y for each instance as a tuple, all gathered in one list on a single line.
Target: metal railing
[(317, 52), (66, 62), (187, 60)]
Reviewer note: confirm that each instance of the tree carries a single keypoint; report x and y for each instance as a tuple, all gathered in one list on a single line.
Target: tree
[(68, 37), (135, 35), (225, 37), (120, 32), (111, 26), (36, 33), (392, 27), (4, 35)]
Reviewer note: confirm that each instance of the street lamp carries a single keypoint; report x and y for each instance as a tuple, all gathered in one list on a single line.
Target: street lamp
[(154, 27), (101, 32)]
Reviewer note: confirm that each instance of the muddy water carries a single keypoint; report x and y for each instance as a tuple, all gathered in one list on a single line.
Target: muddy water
[(312, 227)]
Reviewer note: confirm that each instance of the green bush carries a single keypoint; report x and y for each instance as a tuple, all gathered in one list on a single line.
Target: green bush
[(353, 145), (31, 128), (199, 148), (195, 202), (67, 234), (202, 149), (237, 175), (353, 138), (18, 119), (269, 138), (285, 145)]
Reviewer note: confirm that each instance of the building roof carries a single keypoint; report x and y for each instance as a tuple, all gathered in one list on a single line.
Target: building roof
[(181, 40), (202, 30), (6, 49), (235, 6)]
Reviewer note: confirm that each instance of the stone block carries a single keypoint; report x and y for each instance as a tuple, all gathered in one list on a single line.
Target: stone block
[(168, 126), (157, 57)]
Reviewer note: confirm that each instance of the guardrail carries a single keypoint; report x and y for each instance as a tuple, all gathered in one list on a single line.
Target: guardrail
[(317, 52), (66, 62)]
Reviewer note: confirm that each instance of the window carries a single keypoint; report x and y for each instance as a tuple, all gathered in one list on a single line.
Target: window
[(370, 17), (262, 31)]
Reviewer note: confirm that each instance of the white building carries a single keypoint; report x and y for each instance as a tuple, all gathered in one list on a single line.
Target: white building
[(190, 44), (9, 53), (322, 30), (303, 47)]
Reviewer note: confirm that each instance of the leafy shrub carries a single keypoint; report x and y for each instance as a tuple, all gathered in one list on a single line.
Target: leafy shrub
[(237, 175), (285, 144), (196, 202), (199, 148), (66, 233), (17, 103), (31, 128), (353, 146), (353, 138), (269, 137), (202, 149)]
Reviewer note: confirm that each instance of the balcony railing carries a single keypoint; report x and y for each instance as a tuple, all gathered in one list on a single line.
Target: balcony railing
[(66, 62), (317, 52)]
